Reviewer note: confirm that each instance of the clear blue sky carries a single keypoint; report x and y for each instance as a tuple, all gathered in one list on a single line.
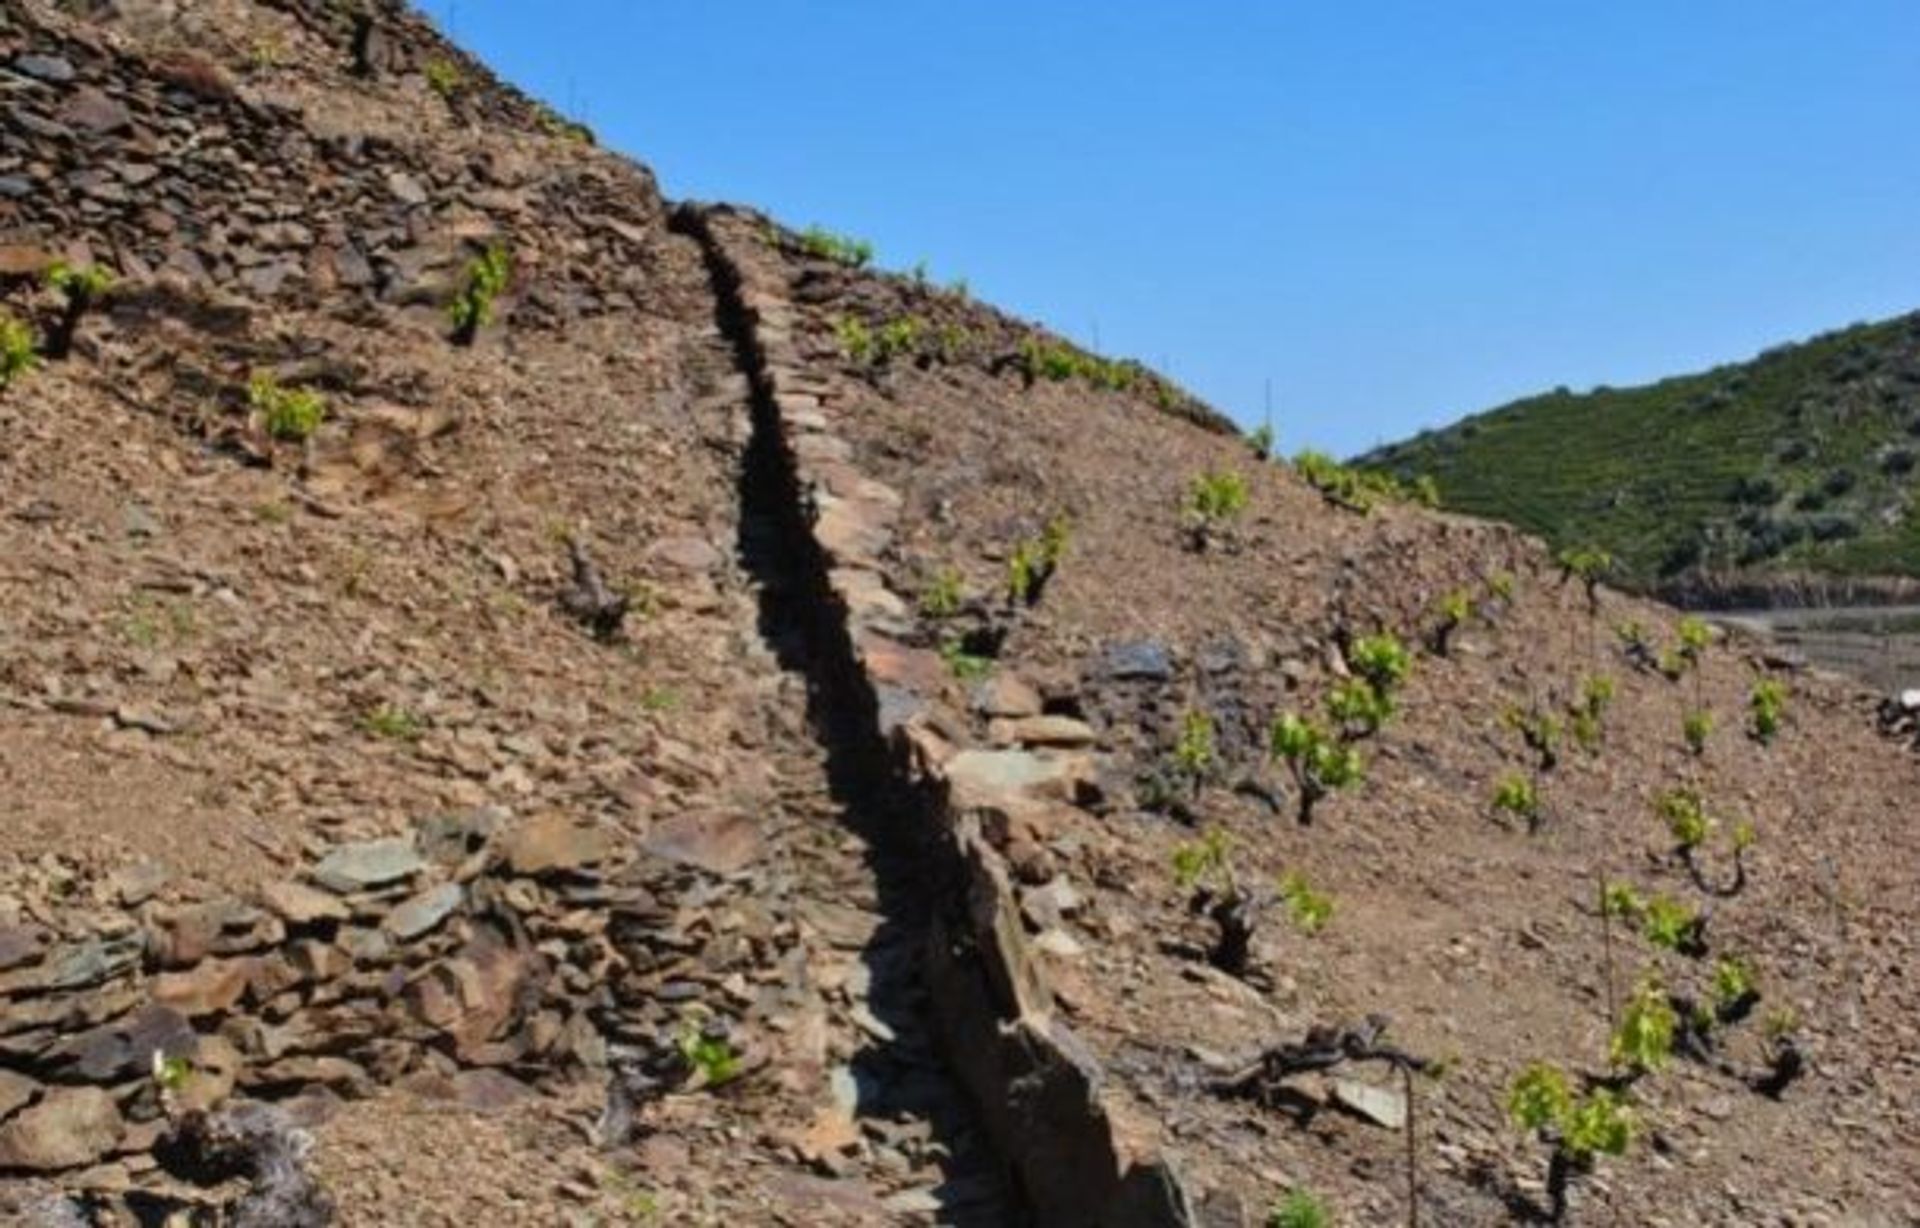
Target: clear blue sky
[(1398, 211)]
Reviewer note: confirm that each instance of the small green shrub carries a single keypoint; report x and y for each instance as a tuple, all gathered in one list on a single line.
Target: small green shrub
[(1300, 1209), (1194, 752), (1034, 561), (1579, 1130), (1310, 910), (1319, 764), (1672, 925), (856, 339), (1733, 985), (291, 414), (1540, 731), (963, 665), (1381, 659), (444, 77), (1686, 816), (1695, 728), (472, 309), (841, 249), (1056, 361), (709, 1055), (898, 338), (1451, 613), (1338, 484), (1644, 1040), (1214, 500), (79, 289), (943, 595), (1358, 708), (1621, 900), (1260, 439), (1500, 586), (1598, 1125), (1540, 1099), (394, 723), (1766, 706), (1695, 637), (1517, 796), (1587, 719), (1588, 564), (18, 354), (1205, 862)]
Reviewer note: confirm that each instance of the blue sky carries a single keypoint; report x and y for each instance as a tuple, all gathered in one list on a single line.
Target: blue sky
[(1397, 212)]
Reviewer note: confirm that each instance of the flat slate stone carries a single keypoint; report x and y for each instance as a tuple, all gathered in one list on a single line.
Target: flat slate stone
[(44, 68), (69, 1128), (718, 843), (1380, 1105), (555, 843), (92, 111), (16, 1092), (299, 904), (371, 863), (422, 913), (1146, 659), (22, 944), (1044, 731), (998, 772)]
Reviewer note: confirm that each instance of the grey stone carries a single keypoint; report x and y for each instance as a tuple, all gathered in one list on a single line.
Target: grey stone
[(406, 189), (124, 1049), (1380, 1105), (371, 863), (78, 965), (15, 186), (1144, 659), (424, 912), (52, 68)]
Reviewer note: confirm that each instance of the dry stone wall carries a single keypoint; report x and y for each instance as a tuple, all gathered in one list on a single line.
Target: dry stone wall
[(1038, 1090), (474, 944), (167, 168)]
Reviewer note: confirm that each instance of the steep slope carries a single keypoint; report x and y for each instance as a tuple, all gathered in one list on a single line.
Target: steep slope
[(1480, 941), (1796, 466), (831, 885)]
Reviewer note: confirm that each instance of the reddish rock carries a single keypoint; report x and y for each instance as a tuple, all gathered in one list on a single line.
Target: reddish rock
[(716, 843), (212, 987), (69, 1128), (299, 904), (16, 1092), (555, 843)]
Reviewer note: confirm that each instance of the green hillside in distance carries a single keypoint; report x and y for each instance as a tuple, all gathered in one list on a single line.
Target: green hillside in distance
[(1800, 462)]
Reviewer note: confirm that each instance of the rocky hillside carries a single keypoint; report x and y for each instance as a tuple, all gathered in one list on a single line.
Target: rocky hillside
[(1796, 471), (530, 704)]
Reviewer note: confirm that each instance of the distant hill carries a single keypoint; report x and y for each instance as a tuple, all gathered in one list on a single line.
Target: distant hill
[(1800, 462)]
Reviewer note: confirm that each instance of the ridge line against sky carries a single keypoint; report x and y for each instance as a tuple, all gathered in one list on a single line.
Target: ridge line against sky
[(1399, 213)]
